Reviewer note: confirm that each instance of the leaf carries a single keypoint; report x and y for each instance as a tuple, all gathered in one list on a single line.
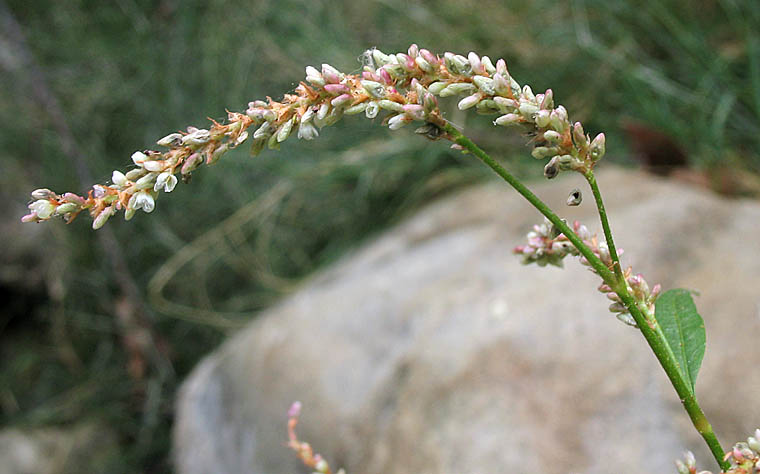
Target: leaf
[(684, 331)]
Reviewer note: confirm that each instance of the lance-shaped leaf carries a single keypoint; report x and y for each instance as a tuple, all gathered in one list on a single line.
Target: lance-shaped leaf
[(684, 331)]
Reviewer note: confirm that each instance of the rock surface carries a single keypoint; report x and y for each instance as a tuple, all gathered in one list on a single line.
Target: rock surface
[(433, 350)]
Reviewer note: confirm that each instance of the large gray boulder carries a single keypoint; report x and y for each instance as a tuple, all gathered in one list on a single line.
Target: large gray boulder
[(433, 350)]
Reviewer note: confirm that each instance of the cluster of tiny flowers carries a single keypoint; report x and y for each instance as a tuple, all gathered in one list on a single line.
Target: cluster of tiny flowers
[(404, 85), (154, 172), (303, 450), (547, 245), (744, 459)]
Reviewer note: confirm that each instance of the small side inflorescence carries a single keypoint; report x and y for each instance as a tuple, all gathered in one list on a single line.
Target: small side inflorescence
[(548, 246), (403, 86), (304, 450), (743, 457)]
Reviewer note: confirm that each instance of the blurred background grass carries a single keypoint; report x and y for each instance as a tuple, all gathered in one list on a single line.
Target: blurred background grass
[(101, 330)]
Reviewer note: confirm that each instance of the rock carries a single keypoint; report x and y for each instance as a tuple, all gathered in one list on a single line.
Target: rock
[(433, 350)]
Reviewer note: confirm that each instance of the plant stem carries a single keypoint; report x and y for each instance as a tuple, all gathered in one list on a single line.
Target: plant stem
[(649, 327), (605, 226), (595, 262)]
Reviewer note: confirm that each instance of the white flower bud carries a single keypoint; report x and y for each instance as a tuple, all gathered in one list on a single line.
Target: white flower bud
[(138, 157), (552, 136), (424, 65), (398, 121), (374, 89), (437, 87), (390, 105), (43, 208), (101, 219), (542, 118), (528, 110), (488, 65), (469, 101), (457, 88), (42, 193), (197, 137), (118, 178), (508, 119), (284, 131), (356, 109), (153, 165), (597, 147), (146, 182), (65, 208), (171, 140), (485, 84)]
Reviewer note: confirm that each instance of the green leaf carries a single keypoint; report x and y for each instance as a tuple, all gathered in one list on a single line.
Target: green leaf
[(684, 331)]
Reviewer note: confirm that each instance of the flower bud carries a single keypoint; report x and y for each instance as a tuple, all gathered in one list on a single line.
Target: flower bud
[(469, 101), (146, 182), (390, 105), (138, 157), (506, 105), (191, 163), (284, 131), (430, 58), (356, 109), (373, 89), (501, 85), (135, 174), (437, 87), (485, 84), (414, 111), (118, 178), (542, 118), (197, 137), (372, 109), (488, 65), (501, 68), (527, 93), (307, 131), (171, 140), (548, 101), (552, 136), (475, 63), (508, 119), (398, 121), (541, 152), (597, 147), (528, 110), (42, 208), (65, 208), (424, 65), (42, 193), (102, 218), (626, 318), (337, 89), (457, 88), (330, 74), (341, 100), (551, 170)]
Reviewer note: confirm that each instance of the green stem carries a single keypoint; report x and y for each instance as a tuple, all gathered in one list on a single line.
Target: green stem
[(605, 225), (649, 327), (594, 261)]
